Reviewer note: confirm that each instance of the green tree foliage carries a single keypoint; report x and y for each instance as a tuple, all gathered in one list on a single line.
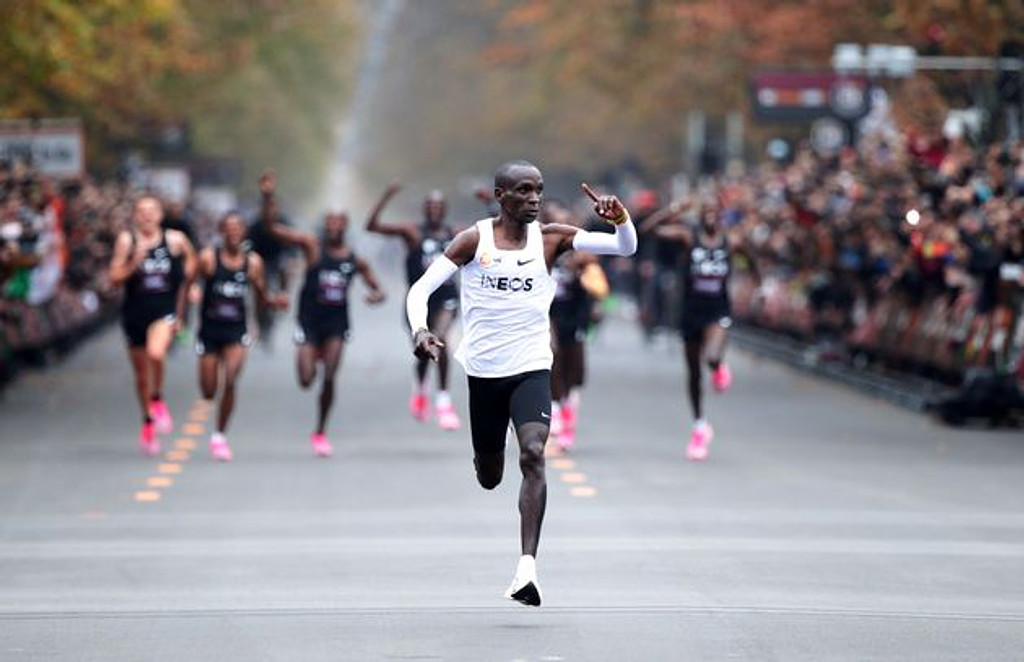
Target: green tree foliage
[(264, 81)]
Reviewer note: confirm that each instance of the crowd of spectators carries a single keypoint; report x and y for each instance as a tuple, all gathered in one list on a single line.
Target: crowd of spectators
[(917, 219), (56, 239), (905, 220)]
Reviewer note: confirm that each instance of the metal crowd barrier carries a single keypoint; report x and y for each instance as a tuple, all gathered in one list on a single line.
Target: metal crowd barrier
[(941, 335)]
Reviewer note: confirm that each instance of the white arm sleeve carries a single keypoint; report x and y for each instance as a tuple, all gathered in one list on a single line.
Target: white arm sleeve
[(434, 277), (623, 242)]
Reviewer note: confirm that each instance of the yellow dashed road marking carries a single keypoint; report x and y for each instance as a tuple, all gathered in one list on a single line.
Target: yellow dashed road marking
[(147, 496), (180, 453), (558, 460)]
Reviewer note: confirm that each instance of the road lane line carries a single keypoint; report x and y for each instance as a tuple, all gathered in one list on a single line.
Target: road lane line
[(147, 496), (177, 456), (557, 460)]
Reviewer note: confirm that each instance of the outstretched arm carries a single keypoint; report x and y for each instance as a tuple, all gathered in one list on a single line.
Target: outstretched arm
[(376, 294), (268, 197), (270, 219), (486, 196), (667, 224), (373, 223), (258, 277), (670, 213), (611, 209), (740, 247), (207, 264), (127, 257), (307, 243), (191, 269)]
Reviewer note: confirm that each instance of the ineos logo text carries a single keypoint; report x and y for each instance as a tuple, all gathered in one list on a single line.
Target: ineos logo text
[(506, 284)]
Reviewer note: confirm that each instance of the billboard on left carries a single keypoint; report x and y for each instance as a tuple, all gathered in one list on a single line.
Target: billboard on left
[(53, 147)]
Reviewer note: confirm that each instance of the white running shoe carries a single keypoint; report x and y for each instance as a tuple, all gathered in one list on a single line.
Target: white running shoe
[(524, 588)]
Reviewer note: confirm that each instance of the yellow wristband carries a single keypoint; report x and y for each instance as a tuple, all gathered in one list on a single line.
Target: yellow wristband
[(619, 220)]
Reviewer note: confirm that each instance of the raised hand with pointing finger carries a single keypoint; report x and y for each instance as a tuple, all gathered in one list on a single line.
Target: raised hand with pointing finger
[(608, 207)]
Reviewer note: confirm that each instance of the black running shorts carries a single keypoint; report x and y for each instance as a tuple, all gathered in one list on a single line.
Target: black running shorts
[(214, 338), (697, 317), (318, 329), (524, 398), (135, 324)]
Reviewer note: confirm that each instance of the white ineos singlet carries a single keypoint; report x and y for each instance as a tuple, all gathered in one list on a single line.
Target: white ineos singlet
[(505, 299)]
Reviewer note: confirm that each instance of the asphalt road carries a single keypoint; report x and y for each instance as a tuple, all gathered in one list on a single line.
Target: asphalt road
[(825, 525)]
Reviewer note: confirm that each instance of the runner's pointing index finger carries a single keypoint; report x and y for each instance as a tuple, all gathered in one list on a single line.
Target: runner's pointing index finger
[(589, 192)]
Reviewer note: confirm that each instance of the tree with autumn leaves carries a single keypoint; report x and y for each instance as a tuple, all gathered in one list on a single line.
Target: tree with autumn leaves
[(259, 80), (579, 86), (639, 64), (587, 86)]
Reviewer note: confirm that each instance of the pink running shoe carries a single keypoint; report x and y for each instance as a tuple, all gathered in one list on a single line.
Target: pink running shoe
[(566, 438), (419, 407), (161, 416), (700, 439), (148, 443), (219, 448), (447, 418), (321, 447), (721, 378), (569, 418)]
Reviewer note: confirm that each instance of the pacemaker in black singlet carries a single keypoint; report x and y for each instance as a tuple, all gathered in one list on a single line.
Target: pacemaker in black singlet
[(223, 315), (706, 287), (570, 309), (431, 246), (151, 293), (323, 301)]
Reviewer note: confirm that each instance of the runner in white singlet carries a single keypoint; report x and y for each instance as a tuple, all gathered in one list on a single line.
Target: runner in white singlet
[(506, 292)]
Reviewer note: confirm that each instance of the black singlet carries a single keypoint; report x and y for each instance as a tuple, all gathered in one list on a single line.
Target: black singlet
[(706, 276), (224, 296), (324, 296), (152, 291), (570, 307), (431, 246)]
